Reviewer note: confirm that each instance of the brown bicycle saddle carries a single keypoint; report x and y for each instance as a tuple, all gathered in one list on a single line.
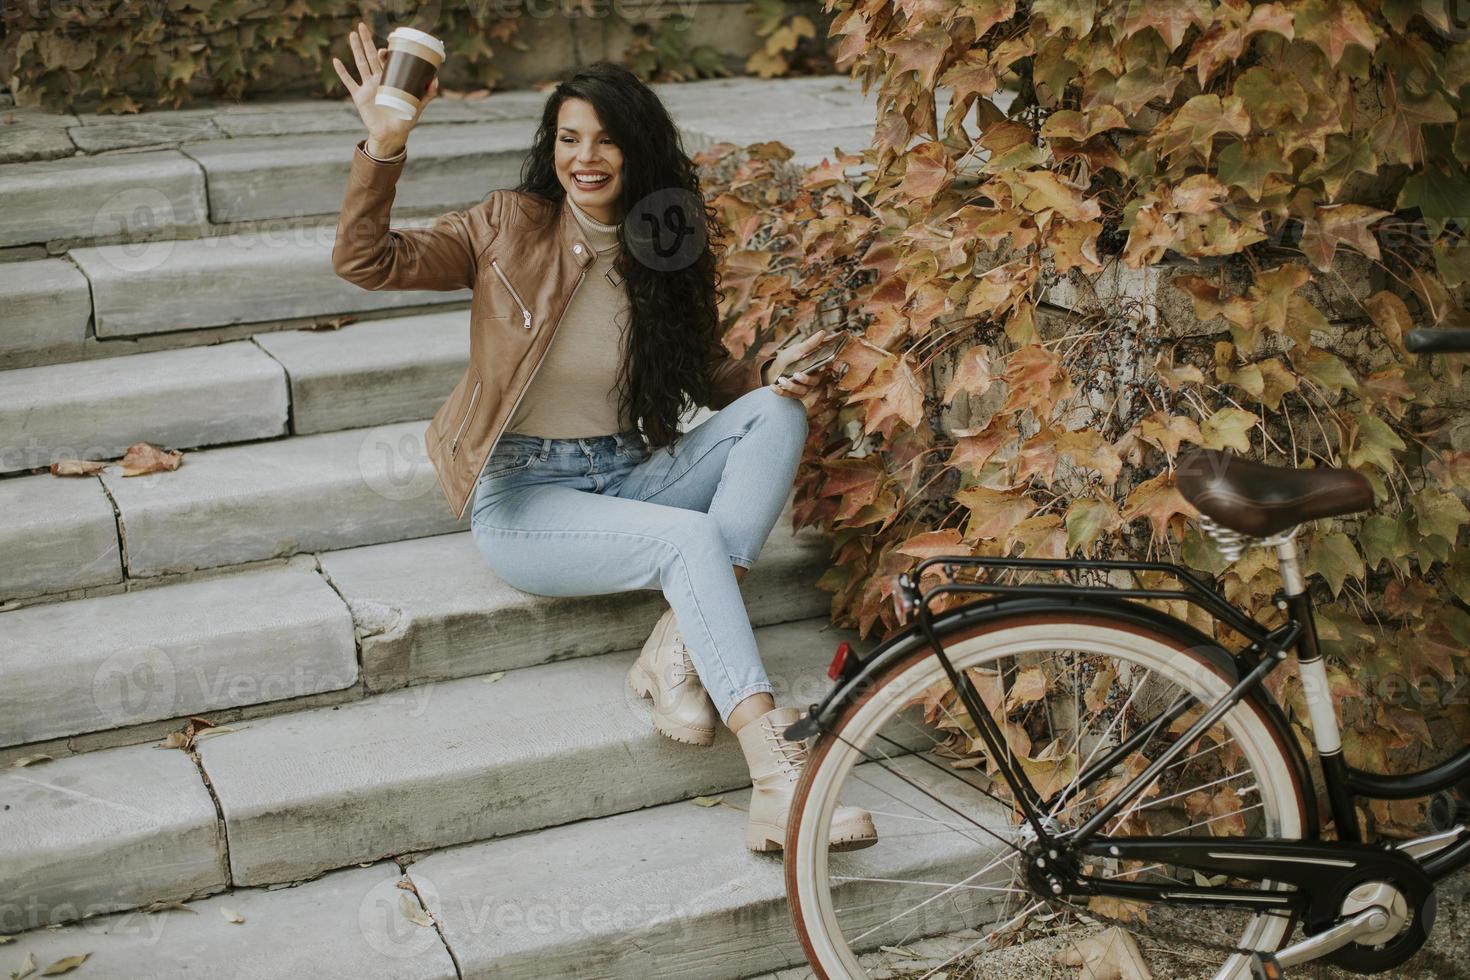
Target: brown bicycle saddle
[(1260, 500)]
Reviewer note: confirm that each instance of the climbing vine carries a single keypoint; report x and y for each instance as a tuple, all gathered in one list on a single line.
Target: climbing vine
[(1090, 233), (124, 57)]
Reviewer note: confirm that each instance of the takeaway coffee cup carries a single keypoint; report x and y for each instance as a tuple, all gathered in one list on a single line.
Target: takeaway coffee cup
[(413, 59)]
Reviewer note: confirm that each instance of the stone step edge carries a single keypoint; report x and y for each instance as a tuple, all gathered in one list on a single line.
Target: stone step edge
[(143, 379), (397, 873), (409, 855), (156, 731)]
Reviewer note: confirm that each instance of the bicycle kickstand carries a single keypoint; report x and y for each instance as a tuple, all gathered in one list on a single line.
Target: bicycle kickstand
[(1264, 966)]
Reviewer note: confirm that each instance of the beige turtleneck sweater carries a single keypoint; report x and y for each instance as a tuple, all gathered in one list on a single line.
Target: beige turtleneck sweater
[(572, 394)]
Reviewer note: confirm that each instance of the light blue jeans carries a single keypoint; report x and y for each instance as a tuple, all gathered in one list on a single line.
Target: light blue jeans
[(602, 514)]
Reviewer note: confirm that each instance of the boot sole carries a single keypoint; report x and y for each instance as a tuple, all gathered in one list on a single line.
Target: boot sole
[(641, 684), (759, 839)]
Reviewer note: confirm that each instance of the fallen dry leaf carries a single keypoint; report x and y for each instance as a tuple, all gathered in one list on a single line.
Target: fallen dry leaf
[(64, 965), (144, 458), (184, 738), (336, 323), (78, 467), (26, 760), (161, 906), (415, 913), (1108, 955)]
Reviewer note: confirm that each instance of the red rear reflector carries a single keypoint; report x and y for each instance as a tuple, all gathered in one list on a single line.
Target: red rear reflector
[(839, 660)]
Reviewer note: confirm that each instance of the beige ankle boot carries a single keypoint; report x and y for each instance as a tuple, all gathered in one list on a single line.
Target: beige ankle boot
[(775, 766), (682, 708)]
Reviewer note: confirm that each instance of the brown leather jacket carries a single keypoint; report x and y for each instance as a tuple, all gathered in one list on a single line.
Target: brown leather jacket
[(522, 272)]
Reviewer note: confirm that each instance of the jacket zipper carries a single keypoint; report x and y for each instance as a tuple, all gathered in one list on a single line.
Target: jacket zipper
[(474, 395), (525, 313), (511, 414)]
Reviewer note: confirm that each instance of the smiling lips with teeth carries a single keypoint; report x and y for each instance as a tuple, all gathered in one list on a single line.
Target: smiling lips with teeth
[(600, 178)]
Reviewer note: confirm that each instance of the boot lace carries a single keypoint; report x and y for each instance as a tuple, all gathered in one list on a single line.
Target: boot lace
[(791, 755), (683, 665)]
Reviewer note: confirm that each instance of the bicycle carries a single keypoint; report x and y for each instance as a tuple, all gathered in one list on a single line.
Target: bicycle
[(1109, 759)]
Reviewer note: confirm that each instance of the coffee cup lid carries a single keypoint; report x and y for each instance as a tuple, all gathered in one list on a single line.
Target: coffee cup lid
[(412, 34)]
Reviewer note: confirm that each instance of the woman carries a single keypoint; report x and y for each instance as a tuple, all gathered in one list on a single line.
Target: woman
[(568, 453)]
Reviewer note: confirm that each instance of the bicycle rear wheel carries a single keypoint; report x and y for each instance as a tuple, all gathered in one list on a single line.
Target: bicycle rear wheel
[(1065, 689)]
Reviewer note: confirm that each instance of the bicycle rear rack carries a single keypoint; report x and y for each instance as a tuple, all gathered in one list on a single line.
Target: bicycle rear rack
[(909, 601)]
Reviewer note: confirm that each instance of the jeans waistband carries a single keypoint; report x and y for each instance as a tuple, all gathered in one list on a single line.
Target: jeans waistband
[(547, 444)]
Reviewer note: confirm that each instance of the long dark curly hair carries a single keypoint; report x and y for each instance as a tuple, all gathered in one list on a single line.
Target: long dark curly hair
[(674, 315)]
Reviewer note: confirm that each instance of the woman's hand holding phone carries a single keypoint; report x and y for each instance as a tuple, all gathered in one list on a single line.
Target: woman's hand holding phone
[(387, 133), (800, 383)]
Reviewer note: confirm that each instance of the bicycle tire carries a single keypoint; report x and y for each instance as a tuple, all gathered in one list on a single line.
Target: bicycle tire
[(971, 641)]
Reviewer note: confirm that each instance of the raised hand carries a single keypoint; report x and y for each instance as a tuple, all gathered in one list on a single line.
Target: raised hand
[(387, 134)]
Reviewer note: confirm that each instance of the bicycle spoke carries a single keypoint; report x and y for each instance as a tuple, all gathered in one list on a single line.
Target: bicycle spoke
[(986, 938), (933, 898)]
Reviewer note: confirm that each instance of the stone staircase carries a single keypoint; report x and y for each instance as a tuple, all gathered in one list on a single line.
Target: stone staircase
[(415, 770)]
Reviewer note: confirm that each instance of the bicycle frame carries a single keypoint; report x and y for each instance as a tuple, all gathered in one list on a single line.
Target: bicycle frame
[(1266, 649)]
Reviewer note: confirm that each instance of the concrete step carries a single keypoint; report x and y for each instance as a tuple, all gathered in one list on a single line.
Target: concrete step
[(260, 161), (231, 221), (253, 642), (268, 275), (273, 499), (261, 177), (468, 759), (671, 891), (431, 609), (349, 924), (195, 396), (303, 381), (59, 536), (324, 788), (47, 305), (256, 636), (664, 891), (237, 504), (82, 198), (109, 830), (394, 369)]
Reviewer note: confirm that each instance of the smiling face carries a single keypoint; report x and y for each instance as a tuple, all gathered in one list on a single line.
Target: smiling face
[(583, 149)]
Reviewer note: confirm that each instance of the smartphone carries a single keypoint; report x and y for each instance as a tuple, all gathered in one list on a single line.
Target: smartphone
[(824, 353)]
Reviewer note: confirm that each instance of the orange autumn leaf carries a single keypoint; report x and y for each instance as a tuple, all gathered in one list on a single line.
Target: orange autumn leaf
[(930, 544), (144, 458), (1034, 380), (1160, 501), (78, 467)]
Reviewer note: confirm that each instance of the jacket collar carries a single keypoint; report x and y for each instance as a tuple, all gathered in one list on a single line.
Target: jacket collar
[(571, 235)]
